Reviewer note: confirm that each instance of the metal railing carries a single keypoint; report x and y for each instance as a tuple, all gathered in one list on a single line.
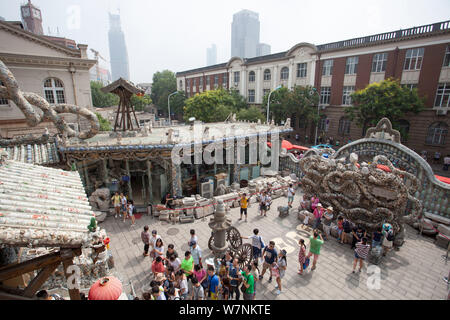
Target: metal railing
[(430, 28)]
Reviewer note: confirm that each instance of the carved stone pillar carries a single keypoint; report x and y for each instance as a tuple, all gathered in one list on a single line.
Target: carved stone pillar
[(219, 224), (149, 174), (127, 168), (177, 189)]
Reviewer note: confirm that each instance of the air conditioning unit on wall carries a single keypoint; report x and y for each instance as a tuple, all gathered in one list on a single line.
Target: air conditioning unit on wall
[(441, 112), (207, 189)]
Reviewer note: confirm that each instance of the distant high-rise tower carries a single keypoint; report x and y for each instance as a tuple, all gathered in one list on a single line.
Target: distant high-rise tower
[(118, 49), (211, 55), (263, 49), (245, 34), (32, 18)]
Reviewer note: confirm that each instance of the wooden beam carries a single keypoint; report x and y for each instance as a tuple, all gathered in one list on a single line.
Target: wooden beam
[(17, 269), (9, 296), (39, 280), (75, 292)]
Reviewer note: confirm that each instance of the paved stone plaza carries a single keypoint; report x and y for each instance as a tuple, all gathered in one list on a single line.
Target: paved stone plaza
[(416, 271)]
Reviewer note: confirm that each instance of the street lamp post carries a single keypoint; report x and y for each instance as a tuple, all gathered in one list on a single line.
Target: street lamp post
[(168, 103), (268, 101)]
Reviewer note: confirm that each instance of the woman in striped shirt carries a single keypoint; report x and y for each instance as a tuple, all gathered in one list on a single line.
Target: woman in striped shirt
[(361, 253)]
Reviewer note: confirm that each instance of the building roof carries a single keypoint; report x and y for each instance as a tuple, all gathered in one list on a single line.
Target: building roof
[(42, 207), (36, 152), (182, 135), (399, 35), (127, 85)]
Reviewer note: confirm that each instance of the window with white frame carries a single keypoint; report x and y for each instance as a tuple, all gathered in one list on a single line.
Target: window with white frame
[(237, 76), (379, 62), (208, 81), (201, 82), (442, 95), (346, 98), (266, 92), (447, 57), (325, 95), (251, 96), (195, 83), (351, 66), (284, 73), (3, 101), (181, 84), (327, 69), (267, 75), (437, 132), (225, 79), (216, 80), (54, 91), (344, 126), (410, 86), (324, 123), (301, 70), (251, 76), (413, 60)]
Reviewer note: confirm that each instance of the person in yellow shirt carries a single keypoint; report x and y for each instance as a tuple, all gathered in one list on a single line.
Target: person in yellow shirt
[(116, 201), (244, 205)]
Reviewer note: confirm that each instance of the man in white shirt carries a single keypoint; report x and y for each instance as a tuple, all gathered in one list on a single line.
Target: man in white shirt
[(196, 253), (291, 193)]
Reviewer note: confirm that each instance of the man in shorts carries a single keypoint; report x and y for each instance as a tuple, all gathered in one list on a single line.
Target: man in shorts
[(116, 201), (290, 194), (244, 204), (257, 244), (270, 256)]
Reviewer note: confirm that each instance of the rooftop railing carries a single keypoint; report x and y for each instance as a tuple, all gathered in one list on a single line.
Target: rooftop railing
[(427, 29)]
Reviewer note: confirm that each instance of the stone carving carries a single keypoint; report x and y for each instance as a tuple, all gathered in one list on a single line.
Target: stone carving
[(288, 123), (384, 131), (100, 199), (365, 195), (36, 109)]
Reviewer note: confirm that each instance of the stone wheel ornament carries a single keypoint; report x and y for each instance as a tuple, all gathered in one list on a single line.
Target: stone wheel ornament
[(36, 109), (234, 238), (244, 255)]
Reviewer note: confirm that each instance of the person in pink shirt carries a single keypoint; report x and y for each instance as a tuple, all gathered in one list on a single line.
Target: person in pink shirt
[(318, 212), (314, 202), (201, 275)]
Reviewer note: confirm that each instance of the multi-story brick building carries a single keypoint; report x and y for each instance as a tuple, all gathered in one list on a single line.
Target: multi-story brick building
[(419, 57)]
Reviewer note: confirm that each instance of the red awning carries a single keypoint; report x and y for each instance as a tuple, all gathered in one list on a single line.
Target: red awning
[(301, 148), (443, 179), (284, 144)]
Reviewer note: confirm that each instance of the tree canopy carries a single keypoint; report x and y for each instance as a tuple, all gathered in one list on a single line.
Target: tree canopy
[(140, 103), (300, 101), (164, 83), (100, 99), (104, 123), (387, 98), (251, 114)]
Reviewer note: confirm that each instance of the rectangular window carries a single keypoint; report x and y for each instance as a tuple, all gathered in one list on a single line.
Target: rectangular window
[(410, 86), (379, 62), (344, 127), (413, 60), (447, 57), (201, 82), (49, 96), (251, 77), (327, 69), (351, 67), (216, 80), (251, 96), (442, 95), (195, 83), (208, 81), (237, 77), (325, 95), (225, 79), (60, 96), (301, 70), (346, 99)]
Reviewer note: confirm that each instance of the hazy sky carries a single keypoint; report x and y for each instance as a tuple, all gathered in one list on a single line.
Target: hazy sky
[(174, 34)]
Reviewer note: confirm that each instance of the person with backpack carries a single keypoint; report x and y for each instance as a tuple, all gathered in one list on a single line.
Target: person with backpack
[(347, 225), (257, 244), (281, 265), (301, 255), (388, 241), (361, 252), (358, 234)]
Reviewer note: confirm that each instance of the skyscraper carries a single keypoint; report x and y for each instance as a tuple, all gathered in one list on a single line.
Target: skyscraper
[(263, 49), (245, 34), (118, 49), (211, 55)]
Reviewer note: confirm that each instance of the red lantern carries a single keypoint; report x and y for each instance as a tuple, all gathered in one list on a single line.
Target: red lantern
[(108, 288)]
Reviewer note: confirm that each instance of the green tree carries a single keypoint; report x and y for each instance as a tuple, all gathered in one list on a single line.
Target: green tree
[(210, 106), (251, 114), (104, 124), (140, 103), (177, 103), (384, 99), (164, 83), (100, 99)]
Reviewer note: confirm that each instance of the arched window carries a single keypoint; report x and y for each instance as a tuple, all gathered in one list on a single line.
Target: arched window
[(267, 75), (251, 76), (54, 91), (403, 127), (344, 126), (285, 73), (437, 133)]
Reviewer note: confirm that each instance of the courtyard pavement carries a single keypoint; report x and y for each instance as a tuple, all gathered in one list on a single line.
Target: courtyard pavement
[(415, 272)]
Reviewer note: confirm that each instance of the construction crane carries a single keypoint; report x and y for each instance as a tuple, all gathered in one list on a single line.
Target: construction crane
[(98, 55)]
